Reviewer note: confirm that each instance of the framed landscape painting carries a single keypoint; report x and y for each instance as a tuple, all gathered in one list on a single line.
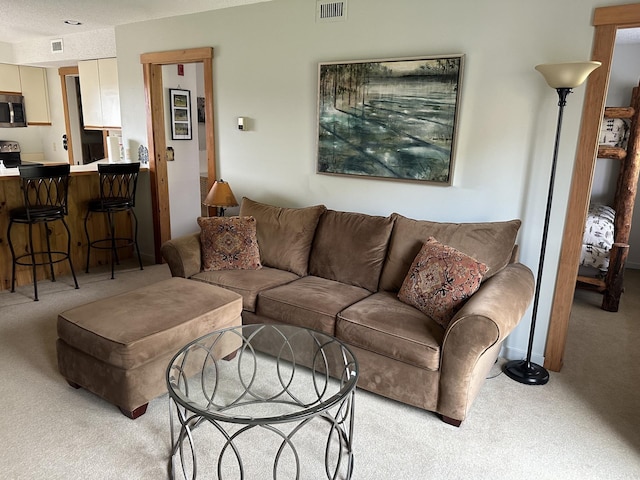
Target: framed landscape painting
[(389, 119)]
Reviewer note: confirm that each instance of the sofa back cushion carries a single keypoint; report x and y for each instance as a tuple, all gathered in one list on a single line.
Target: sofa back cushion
[(350, 248), (490, 243), (285, 235)]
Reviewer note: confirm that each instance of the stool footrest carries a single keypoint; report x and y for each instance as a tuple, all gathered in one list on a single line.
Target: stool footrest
[(105, 243), (63, 256)]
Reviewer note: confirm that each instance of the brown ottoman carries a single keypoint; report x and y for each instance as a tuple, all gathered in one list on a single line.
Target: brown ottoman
[(119, 347)]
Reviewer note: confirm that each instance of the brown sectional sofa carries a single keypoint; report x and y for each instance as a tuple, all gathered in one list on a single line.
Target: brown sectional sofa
[(340, 272)]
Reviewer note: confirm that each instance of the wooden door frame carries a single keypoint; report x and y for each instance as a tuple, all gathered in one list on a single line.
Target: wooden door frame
[(64, 72), (154, 98), (607, 21)]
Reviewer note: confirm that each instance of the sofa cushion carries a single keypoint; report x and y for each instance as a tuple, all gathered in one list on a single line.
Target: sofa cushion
[(310, 302), (229, 243), (381, 323), (350, 248), (284, 235), (490, 243), (440, 280), (247, 283)]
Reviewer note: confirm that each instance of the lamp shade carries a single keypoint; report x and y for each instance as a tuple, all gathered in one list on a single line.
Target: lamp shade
[(220, 195), (566, 75)]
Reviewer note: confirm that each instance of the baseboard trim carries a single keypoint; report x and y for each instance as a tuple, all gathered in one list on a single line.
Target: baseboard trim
[(510, 353)]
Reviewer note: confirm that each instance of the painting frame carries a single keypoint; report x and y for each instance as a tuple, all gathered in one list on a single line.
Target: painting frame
[(180, 106), (389, 119)]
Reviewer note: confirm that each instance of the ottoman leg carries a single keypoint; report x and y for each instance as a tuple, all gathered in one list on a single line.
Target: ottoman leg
[(231, 356), (133, 414), (73, 384)]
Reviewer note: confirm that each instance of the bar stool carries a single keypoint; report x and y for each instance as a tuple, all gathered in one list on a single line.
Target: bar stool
[(44, 191), (118, 184)]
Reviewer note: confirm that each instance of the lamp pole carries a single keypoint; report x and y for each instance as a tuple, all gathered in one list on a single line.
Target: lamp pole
[(563, 77), (525, 371)]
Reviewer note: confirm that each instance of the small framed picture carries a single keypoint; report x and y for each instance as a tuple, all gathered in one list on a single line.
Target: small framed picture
[(180, 104)]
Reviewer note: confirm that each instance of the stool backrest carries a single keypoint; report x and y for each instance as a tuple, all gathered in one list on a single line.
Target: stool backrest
[(45, 189), (118, 182)]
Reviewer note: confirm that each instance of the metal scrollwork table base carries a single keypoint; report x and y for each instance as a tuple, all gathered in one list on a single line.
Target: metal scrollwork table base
[(262, 401)]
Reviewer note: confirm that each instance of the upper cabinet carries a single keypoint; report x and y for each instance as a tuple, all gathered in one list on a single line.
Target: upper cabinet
[(30, 82), (100, 93), (36, 95), (9, 78)]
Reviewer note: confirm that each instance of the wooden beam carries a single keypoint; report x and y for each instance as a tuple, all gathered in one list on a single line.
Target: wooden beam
[(157, 161), (619, 112), (192, 55), (616, 153), (623, 15), (592, 111), (209, 122), (64, 72), (152, 70)]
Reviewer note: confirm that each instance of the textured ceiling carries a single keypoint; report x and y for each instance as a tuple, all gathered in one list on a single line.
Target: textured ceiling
[(24, 20)]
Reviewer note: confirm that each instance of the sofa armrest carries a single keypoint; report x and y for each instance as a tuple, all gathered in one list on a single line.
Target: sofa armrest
[(474, 336), (183, 255)]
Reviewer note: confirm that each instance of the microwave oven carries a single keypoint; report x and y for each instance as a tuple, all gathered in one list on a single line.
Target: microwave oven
[(12, 111)]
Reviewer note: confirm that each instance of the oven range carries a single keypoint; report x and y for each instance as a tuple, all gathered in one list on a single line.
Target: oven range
[(10, 154)]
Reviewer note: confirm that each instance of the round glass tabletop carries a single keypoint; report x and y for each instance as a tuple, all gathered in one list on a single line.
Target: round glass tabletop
[(262, 374)]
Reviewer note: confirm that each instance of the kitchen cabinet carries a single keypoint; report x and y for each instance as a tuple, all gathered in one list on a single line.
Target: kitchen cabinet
[(33, 81), (9, 78), (100, 93), (30, 82)]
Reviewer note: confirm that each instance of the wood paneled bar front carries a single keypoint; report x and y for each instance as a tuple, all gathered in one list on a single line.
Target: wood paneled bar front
[(83, 186)]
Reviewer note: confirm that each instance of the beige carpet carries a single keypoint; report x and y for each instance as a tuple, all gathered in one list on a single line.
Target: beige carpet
[(585, 424)]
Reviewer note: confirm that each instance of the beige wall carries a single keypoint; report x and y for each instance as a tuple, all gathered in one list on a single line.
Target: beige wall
[(265, 68)]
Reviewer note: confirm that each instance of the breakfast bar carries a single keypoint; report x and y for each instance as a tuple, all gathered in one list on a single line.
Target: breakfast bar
[(83, 186)]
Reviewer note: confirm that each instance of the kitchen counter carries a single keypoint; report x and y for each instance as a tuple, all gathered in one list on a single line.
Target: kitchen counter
[(83, 186), (75, 169)]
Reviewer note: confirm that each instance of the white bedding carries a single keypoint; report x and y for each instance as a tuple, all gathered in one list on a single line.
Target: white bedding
[(598, 237), (614, 132)]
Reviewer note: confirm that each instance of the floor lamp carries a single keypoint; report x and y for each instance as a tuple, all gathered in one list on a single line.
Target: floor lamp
[(563, 77)]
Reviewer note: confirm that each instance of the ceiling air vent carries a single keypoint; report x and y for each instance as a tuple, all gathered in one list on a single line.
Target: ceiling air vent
[(56, 46), (331, 11)]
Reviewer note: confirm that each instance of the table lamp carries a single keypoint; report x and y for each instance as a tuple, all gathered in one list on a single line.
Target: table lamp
[(220, 196)]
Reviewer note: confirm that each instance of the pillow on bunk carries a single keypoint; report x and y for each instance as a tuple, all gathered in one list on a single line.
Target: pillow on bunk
[(599, 227), (594, 257), (614, 132)]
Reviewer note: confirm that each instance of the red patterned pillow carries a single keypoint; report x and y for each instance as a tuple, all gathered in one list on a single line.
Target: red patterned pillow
[(440, 280), (229, 243)]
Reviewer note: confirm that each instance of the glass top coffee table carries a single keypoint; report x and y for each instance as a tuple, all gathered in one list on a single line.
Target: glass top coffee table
[(262, 401)]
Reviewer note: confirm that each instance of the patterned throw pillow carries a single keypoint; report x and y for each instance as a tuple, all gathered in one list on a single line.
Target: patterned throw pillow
[(229, 243), (440, 280)]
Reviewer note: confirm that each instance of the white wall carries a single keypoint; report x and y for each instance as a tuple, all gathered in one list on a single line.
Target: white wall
[(184, 172), (265, 68), (6, 53)]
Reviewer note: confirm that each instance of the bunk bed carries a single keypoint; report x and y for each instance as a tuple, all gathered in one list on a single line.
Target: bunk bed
[(607, 228)]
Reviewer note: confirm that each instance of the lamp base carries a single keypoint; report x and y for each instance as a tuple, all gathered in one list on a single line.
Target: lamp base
[(526, 372)]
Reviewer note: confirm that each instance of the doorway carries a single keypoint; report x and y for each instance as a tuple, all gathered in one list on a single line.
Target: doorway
[(606, 20), (154, 98), (83, 146)]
